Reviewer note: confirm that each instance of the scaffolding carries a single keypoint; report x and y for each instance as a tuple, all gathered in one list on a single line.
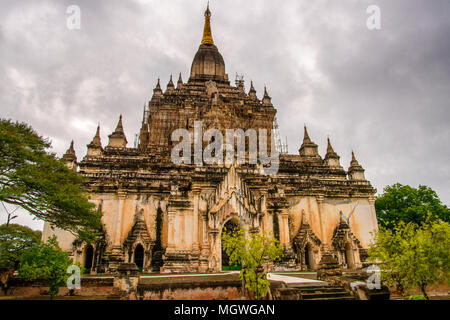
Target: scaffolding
[(239, 81), (282, 148)]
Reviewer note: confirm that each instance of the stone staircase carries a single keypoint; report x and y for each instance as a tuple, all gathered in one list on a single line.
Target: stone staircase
[(312, 292), (324, 293)]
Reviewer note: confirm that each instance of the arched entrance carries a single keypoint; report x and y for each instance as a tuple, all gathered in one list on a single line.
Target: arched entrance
[(307, 257), (228, 226), (139, 257), (88, 258)]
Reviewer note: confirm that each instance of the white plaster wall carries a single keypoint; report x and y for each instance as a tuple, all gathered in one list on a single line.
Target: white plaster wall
[(65, 238), (362, 221), (310, 206)]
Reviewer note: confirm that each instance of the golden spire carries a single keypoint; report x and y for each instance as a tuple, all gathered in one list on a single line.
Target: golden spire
[(207, 35)]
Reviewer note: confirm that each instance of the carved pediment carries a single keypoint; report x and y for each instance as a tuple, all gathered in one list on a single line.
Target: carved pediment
[(305, 235), (138, 232), (342, 235)]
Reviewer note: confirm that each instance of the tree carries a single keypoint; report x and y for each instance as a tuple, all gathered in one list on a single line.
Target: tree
[(413, 256), (253, 252), (407, 204), (38, 182), (14, 241), (47, 261)]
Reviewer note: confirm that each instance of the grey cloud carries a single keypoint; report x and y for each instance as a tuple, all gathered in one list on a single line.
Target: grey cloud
[(382, 93)]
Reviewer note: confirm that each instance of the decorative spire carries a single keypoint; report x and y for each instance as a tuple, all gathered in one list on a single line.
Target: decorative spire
[(119, 128), (329, 147), (308, 148), (330, 151), (70, 158), (144, 133), (180, 82), (354, 163), (117, 139), (267, 100), (208, 63), (355, 171), (207, 35), (306, 138), (96, 142), (170, 84), (157, 91), (170, 87), (331, 158), (94, 149), (71, 150), (70, 155), (252, 91)]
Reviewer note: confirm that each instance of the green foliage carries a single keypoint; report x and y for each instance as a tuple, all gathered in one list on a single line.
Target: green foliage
[(253, 252), (14, 241), (231, 268), (46, 261), (43, 185), (413, 256), (417, 297), (407, 204)]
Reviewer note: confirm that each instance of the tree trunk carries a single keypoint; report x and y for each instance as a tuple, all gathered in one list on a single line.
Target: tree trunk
[(423, 289)]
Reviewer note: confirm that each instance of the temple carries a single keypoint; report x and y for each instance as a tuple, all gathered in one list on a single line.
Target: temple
[(168, 217)]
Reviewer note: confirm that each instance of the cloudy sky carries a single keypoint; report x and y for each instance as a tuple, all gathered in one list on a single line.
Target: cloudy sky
[(383, 93)]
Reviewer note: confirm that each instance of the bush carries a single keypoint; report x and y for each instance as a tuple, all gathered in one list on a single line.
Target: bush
[(413, 256), (46, 261), (253, 252)]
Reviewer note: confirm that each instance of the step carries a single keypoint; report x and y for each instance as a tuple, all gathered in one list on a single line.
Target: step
[(308, 286), (321, 289), (333, 298), (309, 296), (315, 292)]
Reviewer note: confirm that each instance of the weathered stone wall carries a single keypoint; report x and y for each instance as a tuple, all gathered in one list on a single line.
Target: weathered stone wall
[(89, 287), (184, 229), (225, 290)]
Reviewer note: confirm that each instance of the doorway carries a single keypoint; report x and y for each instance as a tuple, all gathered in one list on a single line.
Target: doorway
[(307, 258), (229, 226), (139, 257), (88, 258)]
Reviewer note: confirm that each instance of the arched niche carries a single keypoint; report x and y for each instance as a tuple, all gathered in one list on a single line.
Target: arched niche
[(88, 258), (139, 256)]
